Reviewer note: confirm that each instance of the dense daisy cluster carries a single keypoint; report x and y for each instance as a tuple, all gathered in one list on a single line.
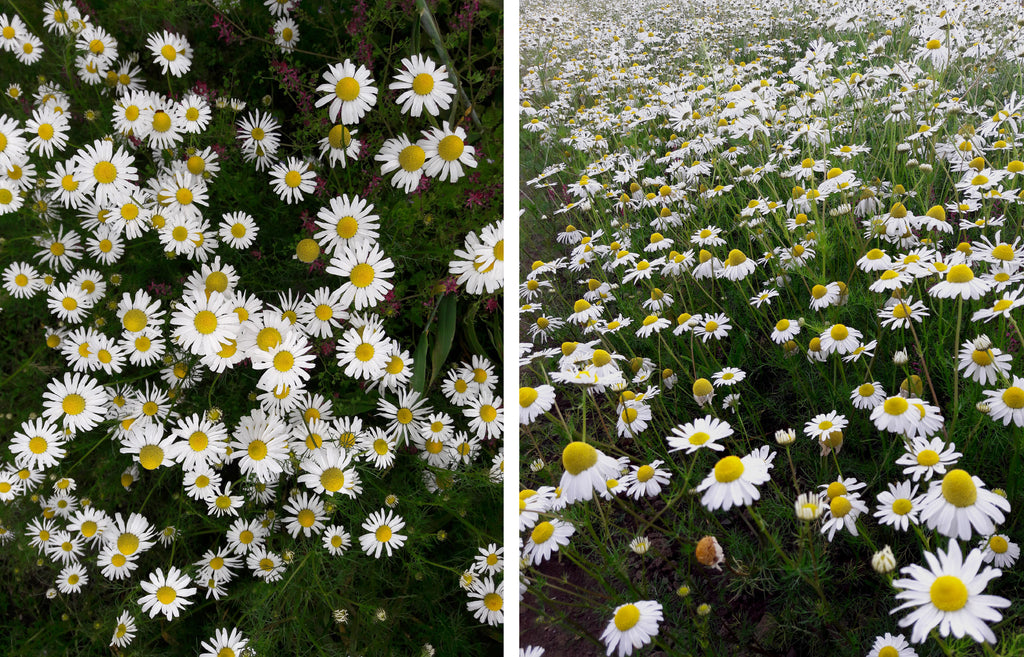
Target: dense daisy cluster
[(830, 213), (141, 367)]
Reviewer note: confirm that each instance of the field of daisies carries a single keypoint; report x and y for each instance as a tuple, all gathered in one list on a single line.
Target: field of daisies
[(772, 393), (252, 262)]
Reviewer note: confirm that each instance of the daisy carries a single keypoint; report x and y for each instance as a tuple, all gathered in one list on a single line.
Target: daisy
[(292, 180), (203, 323), (867, 395), (784, 331), (926, 458), (307, 513), (382, 528), (960, 282), (406, 415), (339, 145), (959, 502), (447, 153), (22, 280), (124, 630), (632, 626), (823, 425), (545, 538), (131, 537), (166, 594), (948, 595), (260, 138), (346, 223), (260, 445), (108, 174), (13, 145), (225, 643), (368, 271), (350, 92), (896, 414), (715, 326), (50, 130), (843, 511), (78, 400), (897, 505), (901, 312), (700, 433), (378, 448), (891, 646), (363, 353), (322, 312), (171, 51), (286, 34), (238, 230), (72, 578), (486, 601), (406, 158), (999, 550), (193, 114), (286, 364), (265, 564), (1007, 404), (422, 85), (586, 469), (336, 540), (535, 401), (328, 471), (485, 415), (733, 482), (840, 339), (645, 480)]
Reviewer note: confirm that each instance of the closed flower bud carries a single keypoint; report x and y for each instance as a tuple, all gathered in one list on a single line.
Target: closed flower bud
[(785, 436), (883, 561), (900, 358)]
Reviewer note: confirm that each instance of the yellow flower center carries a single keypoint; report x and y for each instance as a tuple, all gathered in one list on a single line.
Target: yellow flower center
[(527, 396), (73, 404), (161, 121), (896, 405), (577, 457), (151, 456), (728, 469), (306, 518), (362, 275), (902, 506), (450, 148), (205, 322), (347, 89), (257, 450), (104, 172), (542, 532), (927, 457), (127, 544), (948, 593), (839, 506), (169, 53), (339, 137), (959, 274), (293, 179), (1014, 397), (411, 158), (958, 488), (626, 617), (383, 534)]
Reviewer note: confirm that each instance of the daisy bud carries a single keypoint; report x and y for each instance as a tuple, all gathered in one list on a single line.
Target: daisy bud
[(900, 358), (683, 591), (983, 407), (51, 593), (982, 343), (902, 148), (926, 168), (883, 561), (340, 616), (640, 545), (801, 322), (785, 436), (703, 609), (912, 162), (537, 465)]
